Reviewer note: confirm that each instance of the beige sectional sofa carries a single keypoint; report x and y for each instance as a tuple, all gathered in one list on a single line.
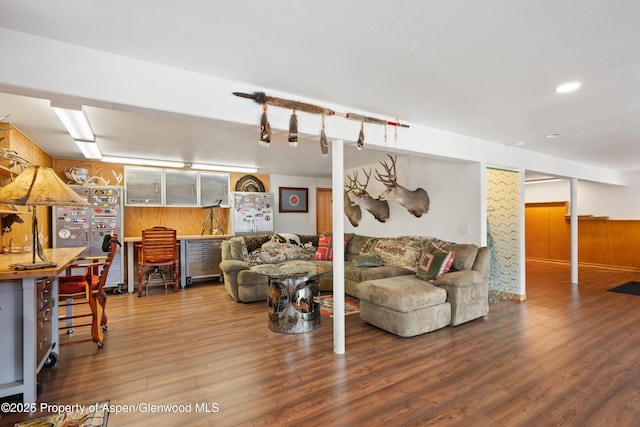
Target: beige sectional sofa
[(380, 272)]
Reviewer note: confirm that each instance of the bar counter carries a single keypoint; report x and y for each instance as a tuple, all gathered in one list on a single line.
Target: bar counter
[(28, 319)]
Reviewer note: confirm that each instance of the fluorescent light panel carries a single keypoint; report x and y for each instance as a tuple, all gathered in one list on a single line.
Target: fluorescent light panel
[(175, 164), (223, 168), (143, 162), (89, 149), (74, 120), (542, 181)]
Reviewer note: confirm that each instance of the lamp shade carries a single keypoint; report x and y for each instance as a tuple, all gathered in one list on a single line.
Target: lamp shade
[(39, 186)]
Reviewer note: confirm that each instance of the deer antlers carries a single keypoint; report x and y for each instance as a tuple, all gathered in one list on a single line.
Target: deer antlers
[(378, 208), (389, 179), (355, 185)]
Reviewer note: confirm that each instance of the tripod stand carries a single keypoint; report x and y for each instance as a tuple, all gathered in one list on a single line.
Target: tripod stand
[(210, 219)]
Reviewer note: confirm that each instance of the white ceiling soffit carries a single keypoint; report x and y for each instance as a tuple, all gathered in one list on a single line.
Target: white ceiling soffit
[(484, 69)]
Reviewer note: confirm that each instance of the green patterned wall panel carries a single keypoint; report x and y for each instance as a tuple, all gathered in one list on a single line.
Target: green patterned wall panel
[(503, 229)]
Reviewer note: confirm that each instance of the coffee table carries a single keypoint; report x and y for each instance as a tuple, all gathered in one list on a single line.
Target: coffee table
[(292, 291)]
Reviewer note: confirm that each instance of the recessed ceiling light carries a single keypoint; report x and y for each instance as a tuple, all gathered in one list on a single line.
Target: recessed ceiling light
[(517, 143), (552, 135), (568, 87)]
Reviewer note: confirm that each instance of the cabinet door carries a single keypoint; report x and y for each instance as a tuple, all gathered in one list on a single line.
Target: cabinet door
[(214, 187), (181, 188), (143, 186)]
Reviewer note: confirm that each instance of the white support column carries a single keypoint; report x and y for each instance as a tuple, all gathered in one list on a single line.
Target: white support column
[(574, 230), (522, 289), (337, 174)]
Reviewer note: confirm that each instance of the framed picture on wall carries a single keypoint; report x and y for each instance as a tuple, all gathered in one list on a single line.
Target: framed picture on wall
[(294, 199)]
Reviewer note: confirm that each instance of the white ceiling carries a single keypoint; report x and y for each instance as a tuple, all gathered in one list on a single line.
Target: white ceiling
[(487, 69)]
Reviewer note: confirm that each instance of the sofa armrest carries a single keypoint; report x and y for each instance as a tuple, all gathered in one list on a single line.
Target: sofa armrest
[(468, 294), (482, 262), (460, 279), (233, 266), (230, 269)]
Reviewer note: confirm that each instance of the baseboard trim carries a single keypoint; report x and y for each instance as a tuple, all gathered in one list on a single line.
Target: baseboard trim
[(584, 264), (505, 296)]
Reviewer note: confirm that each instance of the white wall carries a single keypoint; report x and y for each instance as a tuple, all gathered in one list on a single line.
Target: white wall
[(455, 200), (294, 222), (616, 202)]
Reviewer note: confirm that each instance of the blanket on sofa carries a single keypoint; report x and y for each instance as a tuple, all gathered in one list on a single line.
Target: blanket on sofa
[(278, 253), (401, 251), (274, 249)]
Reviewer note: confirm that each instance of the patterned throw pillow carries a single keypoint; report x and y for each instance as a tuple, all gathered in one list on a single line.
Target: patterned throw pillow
[(324, 252), (434, 262)]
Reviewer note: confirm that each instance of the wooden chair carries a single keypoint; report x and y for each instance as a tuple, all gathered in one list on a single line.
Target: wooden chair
[(158, 249), (87, 289)]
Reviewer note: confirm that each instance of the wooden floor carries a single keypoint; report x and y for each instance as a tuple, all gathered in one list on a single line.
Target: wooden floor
[(568, 356)]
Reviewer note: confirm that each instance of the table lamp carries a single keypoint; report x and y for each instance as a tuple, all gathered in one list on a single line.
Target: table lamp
[(39, 186)]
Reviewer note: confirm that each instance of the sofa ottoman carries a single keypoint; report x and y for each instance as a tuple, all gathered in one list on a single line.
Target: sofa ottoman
[(404, 305)]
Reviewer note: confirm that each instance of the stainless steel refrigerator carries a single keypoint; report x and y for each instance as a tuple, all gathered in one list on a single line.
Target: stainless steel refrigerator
[(252, 213), (87, 226)]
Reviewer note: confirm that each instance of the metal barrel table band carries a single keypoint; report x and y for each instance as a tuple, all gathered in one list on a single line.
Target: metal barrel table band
[(293, 289)]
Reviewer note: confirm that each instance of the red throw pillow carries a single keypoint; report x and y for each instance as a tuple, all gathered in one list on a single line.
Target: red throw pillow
[(325, 248)]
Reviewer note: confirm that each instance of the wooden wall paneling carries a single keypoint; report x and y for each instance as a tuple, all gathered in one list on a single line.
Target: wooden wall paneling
[(186, 221), (601, 241), (545, 230), (593, 242), (140, 218), (536, 232), (559, 232), (15, 140), (20, 235), (29, 149), (624, 243)]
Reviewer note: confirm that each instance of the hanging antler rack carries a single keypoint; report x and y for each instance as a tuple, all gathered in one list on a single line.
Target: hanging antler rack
[(262, 98)]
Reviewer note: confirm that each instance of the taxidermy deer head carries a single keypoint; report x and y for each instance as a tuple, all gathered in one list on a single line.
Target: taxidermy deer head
[(416, 201), (353, 212), (376, 207)]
